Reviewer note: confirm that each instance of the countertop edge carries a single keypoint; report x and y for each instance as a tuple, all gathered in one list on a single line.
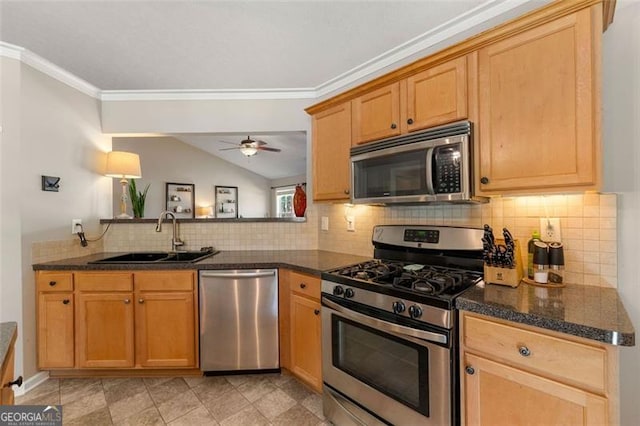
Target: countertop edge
[(610, 337), (8, 336)]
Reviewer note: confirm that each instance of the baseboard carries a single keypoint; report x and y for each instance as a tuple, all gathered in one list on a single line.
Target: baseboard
[(31, 383)]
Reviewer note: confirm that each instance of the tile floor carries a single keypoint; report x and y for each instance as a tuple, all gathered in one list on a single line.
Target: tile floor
[(266, 399)]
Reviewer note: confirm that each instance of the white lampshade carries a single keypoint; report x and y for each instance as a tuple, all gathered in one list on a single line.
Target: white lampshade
[(122, 164), (248, 150)]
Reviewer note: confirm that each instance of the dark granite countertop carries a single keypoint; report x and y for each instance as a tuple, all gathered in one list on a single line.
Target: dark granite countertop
[(8, 334), (589, 312), (308, 261)]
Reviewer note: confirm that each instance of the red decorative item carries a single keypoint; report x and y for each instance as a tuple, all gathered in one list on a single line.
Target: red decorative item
[(299, 201)]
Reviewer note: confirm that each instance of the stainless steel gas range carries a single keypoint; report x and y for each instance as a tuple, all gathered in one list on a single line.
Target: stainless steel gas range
[(389, 327)]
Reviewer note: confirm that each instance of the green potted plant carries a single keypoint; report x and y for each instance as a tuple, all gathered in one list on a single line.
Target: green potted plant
[(137, 199)]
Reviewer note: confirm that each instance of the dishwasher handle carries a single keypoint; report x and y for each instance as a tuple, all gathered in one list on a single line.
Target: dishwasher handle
[(237, 274)]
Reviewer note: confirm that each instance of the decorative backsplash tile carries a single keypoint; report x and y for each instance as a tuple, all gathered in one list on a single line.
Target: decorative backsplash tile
[(47, 251)]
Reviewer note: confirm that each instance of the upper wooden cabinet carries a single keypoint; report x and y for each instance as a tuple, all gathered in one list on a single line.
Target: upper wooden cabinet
[(429, 98), (539, 100), (331, 145)]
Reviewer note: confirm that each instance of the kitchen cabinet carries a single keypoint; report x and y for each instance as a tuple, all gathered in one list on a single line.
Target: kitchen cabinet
[(515, 374), (538, 108), (429, 98), (7, 369), (123, 320), (305, 329), (331, 145), (55, 325)]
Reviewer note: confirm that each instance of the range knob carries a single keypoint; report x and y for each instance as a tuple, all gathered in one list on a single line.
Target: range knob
[(348, 293), (415, 311), (398, 307), (338, 290)]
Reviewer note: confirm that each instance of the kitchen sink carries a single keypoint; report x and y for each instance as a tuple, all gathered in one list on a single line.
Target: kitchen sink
[(158, 257)]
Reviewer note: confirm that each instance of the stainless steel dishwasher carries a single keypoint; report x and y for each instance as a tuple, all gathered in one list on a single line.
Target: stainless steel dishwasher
[(239, 321)]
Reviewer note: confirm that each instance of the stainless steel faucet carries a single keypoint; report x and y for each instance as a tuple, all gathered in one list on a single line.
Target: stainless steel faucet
[(175, 240)]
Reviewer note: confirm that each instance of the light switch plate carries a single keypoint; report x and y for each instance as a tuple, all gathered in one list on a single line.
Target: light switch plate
[(324, 223), (351, 223)]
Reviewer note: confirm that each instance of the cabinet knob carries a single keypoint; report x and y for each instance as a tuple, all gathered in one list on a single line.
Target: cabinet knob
[(316, 311), (484, 180), (141, 301), (346, 191), (52, 283), (65, 302), (127, 301), (524, 351), (394, 125), (16, 382), (303, 285), (470, 370), (410, 121)]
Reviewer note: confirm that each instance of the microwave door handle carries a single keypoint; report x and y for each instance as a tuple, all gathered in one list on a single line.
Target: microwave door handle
[(430, 189)]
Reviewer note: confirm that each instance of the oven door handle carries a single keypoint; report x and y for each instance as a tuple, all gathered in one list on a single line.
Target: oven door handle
[(384, 325)]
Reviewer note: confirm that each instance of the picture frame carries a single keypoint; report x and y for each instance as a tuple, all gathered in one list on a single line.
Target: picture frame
[(226, 205), (181, 199)]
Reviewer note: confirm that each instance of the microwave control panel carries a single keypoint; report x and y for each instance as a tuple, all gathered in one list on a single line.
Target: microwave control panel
[(447, 169)]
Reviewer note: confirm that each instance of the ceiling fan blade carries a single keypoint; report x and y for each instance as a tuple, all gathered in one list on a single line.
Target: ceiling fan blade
[(264, 148), (228, 149), (259, 142), (230, 143)]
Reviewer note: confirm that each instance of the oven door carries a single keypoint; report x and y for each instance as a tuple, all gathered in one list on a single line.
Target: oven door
[(400, 374)]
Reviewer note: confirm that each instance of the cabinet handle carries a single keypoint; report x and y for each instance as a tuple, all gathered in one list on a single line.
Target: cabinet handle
[(410, 121), (316, 311), (127, 301), (470, 370), (394, 125), (141, 301), (524, 351), (303, 285), (346, 191), (65, 302), (52, 283), (484, 180), (16, 382)]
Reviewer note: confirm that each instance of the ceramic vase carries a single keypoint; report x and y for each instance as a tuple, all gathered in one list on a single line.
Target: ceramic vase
[(299, 201)]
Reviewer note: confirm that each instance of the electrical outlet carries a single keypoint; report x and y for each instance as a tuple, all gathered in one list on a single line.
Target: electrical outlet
[(324, 225), (550, 229), (74, 223), (351, 223)]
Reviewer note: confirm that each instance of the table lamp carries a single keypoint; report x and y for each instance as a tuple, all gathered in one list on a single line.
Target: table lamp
[(123, 165)]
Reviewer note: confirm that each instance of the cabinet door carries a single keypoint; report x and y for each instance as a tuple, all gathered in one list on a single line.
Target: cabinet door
[(104, 330), (438, 95), (7, 376), (331, 145), (496, 394), (305, 338), (165, 329), (538, 108), (376, 114), (55, 330)]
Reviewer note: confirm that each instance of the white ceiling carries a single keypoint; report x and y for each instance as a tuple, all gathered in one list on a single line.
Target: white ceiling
[(242, 45)]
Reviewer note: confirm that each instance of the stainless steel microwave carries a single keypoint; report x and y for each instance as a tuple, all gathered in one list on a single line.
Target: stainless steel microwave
[(434, 166)]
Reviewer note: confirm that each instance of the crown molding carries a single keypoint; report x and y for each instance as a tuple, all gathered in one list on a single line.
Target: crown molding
[(221, 94)]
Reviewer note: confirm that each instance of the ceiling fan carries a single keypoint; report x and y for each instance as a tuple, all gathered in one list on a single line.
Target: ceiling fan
[(250, 147)]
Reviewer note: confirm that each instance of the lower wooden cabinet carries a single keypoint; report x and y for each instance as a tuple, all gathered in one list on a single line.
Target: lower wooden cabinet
[(514, 375), (300, 337), (103, 319), (7, 375)]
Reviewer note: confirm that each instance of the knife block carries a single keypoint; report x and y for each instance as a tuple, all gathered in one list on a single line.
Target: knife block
[(506, 276)]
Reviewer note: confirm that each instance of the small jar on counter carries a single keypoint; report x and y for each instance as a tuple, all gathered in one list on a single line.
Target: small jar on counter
[(556, 263), (540, 262)]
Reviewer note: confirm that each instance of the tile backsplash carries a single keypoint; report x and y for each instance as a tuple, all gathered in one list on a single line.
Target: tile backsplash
[(587, 221), (46, 251)]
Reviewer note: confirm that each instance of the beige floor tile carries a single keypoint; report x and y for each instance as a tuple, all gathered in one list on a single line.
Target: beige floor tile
[(154, 381), (237, 380), (274, 403), (212, 388), (50, 385), (167, 390), (127, 407), (198, 417), (101, 417), (255, 389), (194, 381), (313, 403), (296, 390), (248, 416), (226, 405), (281, 379), (84, 406), (73, 389), (148, 417), (124, 389), (51, 398), (298, 416), (178, 406)]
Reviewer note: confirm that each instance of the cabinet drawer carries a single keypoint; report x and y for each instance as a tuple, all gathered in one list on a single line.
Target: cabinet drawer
[(104, 281), (565, 360), (55, 281), (305, 284), (164, 281)]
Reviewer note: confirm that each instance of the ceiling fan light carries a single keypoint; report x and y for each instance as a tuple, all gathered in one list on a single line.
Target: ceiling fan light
[(248, 150)]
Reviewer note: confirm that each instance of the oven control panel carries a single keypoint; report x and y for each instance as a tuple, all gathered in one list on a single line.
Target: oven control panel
[(431, 236)]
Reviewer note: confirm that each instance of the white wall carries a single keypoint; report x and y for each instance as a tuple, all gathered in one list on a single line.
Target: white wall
[(166, 159), (621, 137), (53, 130)]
